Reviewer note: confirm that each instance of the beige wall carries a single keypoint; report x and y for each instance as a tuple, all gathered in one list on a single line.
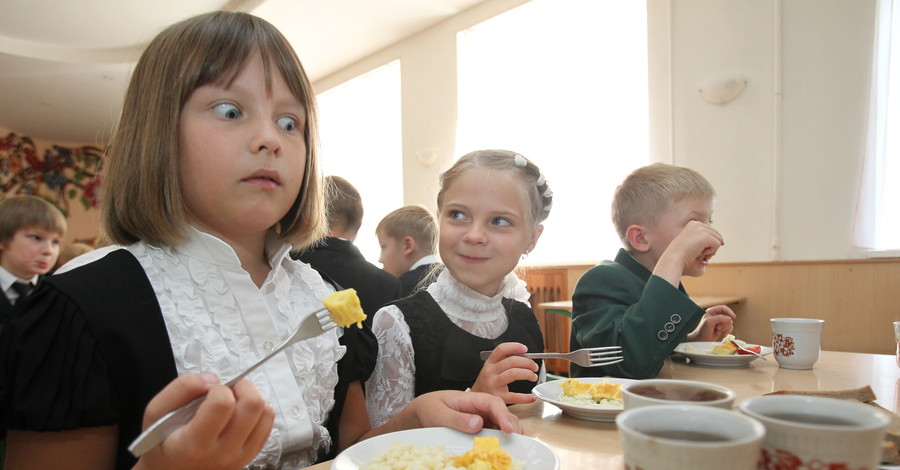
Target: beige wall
[(784, 156)]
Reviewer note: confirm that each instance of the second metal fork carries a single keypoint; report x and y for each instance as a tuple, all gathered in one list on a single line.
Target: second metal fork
[(586, 357)]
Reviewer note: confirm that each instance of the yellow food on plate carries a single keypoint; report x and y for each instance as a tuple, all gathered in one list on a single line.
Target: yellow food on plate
[(727, 347), (598, 391), (486, 454), (345, 308)]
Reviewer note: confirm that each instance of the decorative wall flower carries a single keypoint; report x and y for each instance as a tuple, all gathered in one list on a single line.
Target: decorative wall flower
[(63, 174)]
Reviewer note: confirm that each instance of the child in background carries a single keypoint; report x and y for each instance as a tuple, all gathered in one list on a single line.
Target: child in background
[(663, 215), (70, 252), (339, 260), (211, 175), (407, 239), (490, 208), (30, 230)]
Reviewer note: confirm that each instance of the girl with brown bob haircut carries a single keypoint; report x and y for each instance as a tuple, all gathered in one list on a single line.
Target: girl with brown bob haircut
[(212, 176)]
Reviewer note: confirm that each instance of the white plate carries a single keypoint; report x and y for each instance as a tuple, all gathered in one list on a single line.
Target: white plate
[(550, 391), (534, 454), (715, 359)]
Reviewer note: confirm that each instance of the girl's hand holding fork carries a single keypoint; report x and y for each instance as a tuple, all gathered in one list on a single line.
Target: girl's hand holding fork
[(227, 432), (503, 368)]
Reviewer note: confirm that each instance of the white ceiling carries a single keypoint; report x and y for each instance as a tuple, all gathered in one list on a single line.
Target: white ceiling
[(64, 64)]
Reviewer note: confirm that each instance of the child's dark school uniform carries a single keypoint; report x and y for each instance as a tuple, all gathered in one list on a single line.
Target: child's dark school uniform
[(432, 340)]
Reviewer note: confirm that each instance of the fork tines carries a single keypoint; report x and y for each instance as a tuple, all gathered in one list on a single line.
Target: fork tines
[(605, 351)]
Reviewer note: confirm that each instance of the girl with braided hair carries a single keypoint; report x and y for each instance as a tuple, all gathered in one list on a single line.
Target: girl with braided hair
[(490, 208)]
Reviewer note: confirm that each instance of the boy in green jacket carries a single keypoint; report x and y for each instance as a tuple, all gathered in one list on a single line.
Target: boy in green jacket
[(663, 215)]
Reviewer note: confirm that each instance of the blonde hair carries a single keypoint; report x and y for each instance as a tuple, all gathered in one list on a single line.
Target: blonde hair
[(141, 196), (24, 211), (70, 251), (536, 194), (648, 191), (414, 221)]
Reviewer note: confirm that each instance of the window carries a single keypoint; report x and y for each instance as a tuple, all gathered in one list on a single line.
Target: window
[(564, 84), (878, 209), (361, 140)]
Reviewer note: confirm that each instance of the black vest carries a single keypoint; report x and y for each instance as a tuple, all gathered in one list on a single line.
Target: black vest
[(447, 357)]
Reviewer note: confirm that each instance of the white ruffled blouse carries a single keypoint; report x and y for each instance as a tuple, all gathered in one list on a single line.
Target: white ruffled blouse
[(219, 321), (392, 385)]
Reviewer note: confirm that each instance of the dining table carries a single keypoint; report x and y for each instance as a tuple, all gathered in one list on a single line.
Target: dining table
[(589, 445)]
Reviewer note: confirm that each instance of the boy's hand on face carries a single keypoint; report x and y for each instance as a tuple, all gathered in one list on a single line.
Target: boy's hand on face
[(689, 252), (504, 367)]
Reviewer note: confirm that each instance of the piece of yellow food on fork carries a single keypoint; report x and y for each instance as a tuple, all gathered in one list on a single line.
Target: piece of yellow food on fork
[(486, 454), (345, 308), (597, 391)]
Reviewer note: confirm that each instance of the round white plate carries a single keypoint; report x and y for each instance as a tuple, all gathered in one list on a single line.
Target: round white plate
[(534, 454), (550, 391), (715, 359)]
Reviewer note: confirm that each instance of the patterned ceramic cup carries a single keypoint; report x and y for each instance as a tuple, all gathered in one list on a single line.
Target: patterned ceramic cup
[(676, 437), (796, 341), (897, 340), (818, 432)]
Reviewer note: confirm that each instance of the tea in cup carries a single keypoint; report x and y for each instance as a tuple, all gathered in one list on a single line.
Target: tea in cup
[(796, 341), (676, 392), (689, 436), (819, 432)]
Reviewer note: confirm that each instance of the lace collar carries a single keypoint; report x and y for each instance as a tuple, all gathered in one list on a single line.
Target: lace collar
[(460, 302)]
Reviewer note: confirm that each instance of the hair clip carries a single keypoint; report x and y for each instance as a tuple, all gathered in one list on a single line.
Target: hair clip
[(441, 176), (520, 161), (548, 206), (541, 180), (548, 193)]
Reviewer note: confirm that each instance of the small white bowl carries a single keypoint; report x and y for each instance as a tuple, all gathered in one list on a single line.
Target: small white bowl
[(654, 392)]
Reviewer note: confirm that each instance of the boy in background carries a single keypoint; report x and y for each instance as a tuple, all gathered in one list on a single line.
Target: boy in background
[(338, 260), (663, 215), (30, 231), (407, 239)]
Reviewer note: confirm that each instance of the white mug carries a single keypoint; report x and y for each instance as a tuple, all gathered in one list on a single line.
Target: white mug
[(796, 341), (677, 437)]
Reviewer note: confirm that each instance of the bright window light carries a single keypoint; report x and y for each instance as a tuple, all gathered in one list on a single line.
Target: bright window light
[(361, 141), (878, 208), (564, 84)]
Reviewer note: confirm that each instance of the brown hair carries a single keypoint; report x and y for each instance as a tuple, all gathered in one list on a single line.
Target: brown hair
[(24, 211), (343, 204), (535, 192), (647, 192), (141, 196), (414, 221)]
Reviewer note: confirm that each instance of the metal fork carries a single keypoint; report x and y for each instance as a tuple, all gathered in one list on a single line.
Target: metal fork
[(586, 357), (313, 325)]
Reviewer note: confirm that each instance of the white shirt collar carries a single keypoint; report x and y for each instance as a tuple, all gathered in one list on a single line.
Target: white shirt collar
[(427, 259), (7, 279), (212, 249)]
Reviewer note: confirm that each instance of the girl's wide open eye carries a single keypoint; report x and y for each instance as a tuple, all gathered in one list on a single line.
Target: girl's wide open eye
[(501, 221), (287, 123), (455, 215), (227, 110)]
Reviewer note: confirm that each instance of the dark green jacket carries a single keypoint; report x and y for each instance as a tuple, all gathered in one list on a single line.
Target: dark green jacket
[(621, 303)]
